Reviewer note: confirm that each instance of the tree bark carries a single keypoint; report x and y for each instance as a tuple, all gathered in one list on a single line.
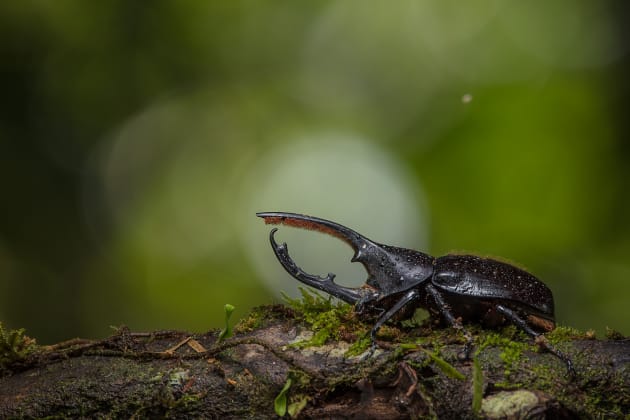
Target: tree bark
[(181, 375)]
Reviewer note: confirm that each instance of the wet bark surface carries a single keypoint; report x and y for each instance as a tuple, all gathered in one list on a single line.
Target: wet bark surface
[(180, 375)]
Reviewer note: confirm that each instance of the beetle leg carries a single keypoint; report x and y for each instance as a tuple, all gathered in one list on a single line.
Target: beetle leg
[(539, 338), (408, 297), (454, 322), (325, 284)]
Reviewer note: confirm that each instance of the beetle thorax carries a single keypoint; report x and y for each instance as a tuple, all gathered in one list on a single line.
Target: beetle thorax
[(400, 269)]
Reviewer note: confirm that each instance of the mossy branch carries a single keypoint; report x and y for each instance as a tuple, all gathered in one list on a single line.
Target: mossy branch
[(415, 373)]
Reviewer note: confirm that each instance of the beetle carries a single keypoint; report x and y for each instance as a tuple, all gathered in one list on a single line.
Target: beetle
[(455, 288)]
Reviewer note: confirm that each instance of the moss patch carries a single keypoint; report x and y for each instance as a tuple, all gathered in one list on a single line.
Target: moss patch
[(259, 316), (15, 346), (327, 319), (511, 350), (563, 333)]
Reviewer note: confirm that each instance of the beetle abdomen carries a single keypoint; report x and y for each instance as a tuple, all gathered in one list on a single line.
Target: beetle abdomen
[(469, 275)]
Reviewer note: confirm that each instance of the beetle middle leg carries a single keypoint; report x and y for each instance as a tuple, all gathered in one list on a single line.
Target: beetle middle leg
[(454, 322), (539, 338)]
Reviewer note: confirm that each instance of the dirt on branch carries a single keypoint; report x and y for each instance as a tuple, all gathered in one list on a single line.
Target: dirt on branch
[(281, 361)]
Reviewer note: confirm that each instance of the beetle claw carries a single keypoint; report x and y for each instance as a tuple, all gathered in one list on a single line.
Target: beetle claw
[(368, 354), (542, 341), (464, 355)]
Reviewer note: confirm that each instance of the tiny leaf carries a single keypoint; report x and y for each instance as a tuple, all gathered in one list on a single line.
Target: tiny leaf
[(227, 332), (295, 408), (446, 367), (280, 403), (477, 386)]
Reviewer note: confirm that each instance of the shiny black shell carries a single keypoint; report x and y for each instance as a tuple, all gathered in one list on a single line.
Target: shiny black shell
[(470, 277)]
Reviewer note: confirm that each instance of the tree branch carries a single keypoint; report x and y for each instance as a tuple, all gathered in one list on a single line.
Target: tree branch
[(417, 373)]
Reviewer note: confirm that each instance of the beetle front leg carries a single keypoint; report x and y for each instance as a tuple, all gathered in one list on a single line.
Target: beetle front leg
[(325, 284), (408, 297), (454, 322), (539, 338)]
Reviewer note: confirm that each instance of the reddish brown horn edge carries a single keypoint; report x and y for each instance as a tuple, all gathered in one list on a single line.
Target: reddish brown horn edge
[(305, 224)]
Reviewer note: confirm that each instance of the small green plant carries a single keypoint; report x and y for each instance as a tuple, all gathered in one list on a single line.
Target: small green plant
[(280, 403), (296, 407), (14, 346), (227, 332), (477, 386), (448, 369)]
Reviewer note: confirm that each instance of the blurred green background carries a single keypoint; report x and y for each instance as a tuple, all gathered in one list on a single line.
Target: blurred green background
[(138, 139)]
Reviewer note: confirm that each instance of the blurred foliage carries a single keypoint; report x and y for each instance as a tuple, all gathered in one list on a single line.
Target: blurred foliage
[(137, 140)]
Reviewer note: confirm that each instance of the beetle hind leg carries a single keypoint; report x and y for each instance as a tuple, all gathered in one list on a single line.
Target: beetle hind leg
[(325, 284), (539, 338), (456, 323)]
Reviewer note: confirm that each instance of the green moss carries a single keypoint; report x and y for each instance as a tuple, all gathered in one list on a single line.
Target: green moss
[(15, 346), (613, 334), (595, 400), (562, 333), (511, 350), (359, 346), (256, 318), (323, 316), (310, 303), (389, 333), (187, 400)]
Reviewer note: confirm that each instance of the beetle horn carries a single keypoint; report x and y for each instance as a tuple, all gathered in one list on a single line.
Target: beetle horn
[(325, 284)]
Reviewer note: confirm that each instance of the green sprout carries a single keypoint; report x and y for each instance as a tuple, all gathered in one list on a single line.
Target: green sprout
[(448, 369), (227, 332), (280, 403), (477, 386)]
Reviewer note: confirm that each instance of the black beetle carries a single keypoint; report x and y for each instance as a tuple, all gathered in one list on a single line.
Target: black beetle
[(455, 287)]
